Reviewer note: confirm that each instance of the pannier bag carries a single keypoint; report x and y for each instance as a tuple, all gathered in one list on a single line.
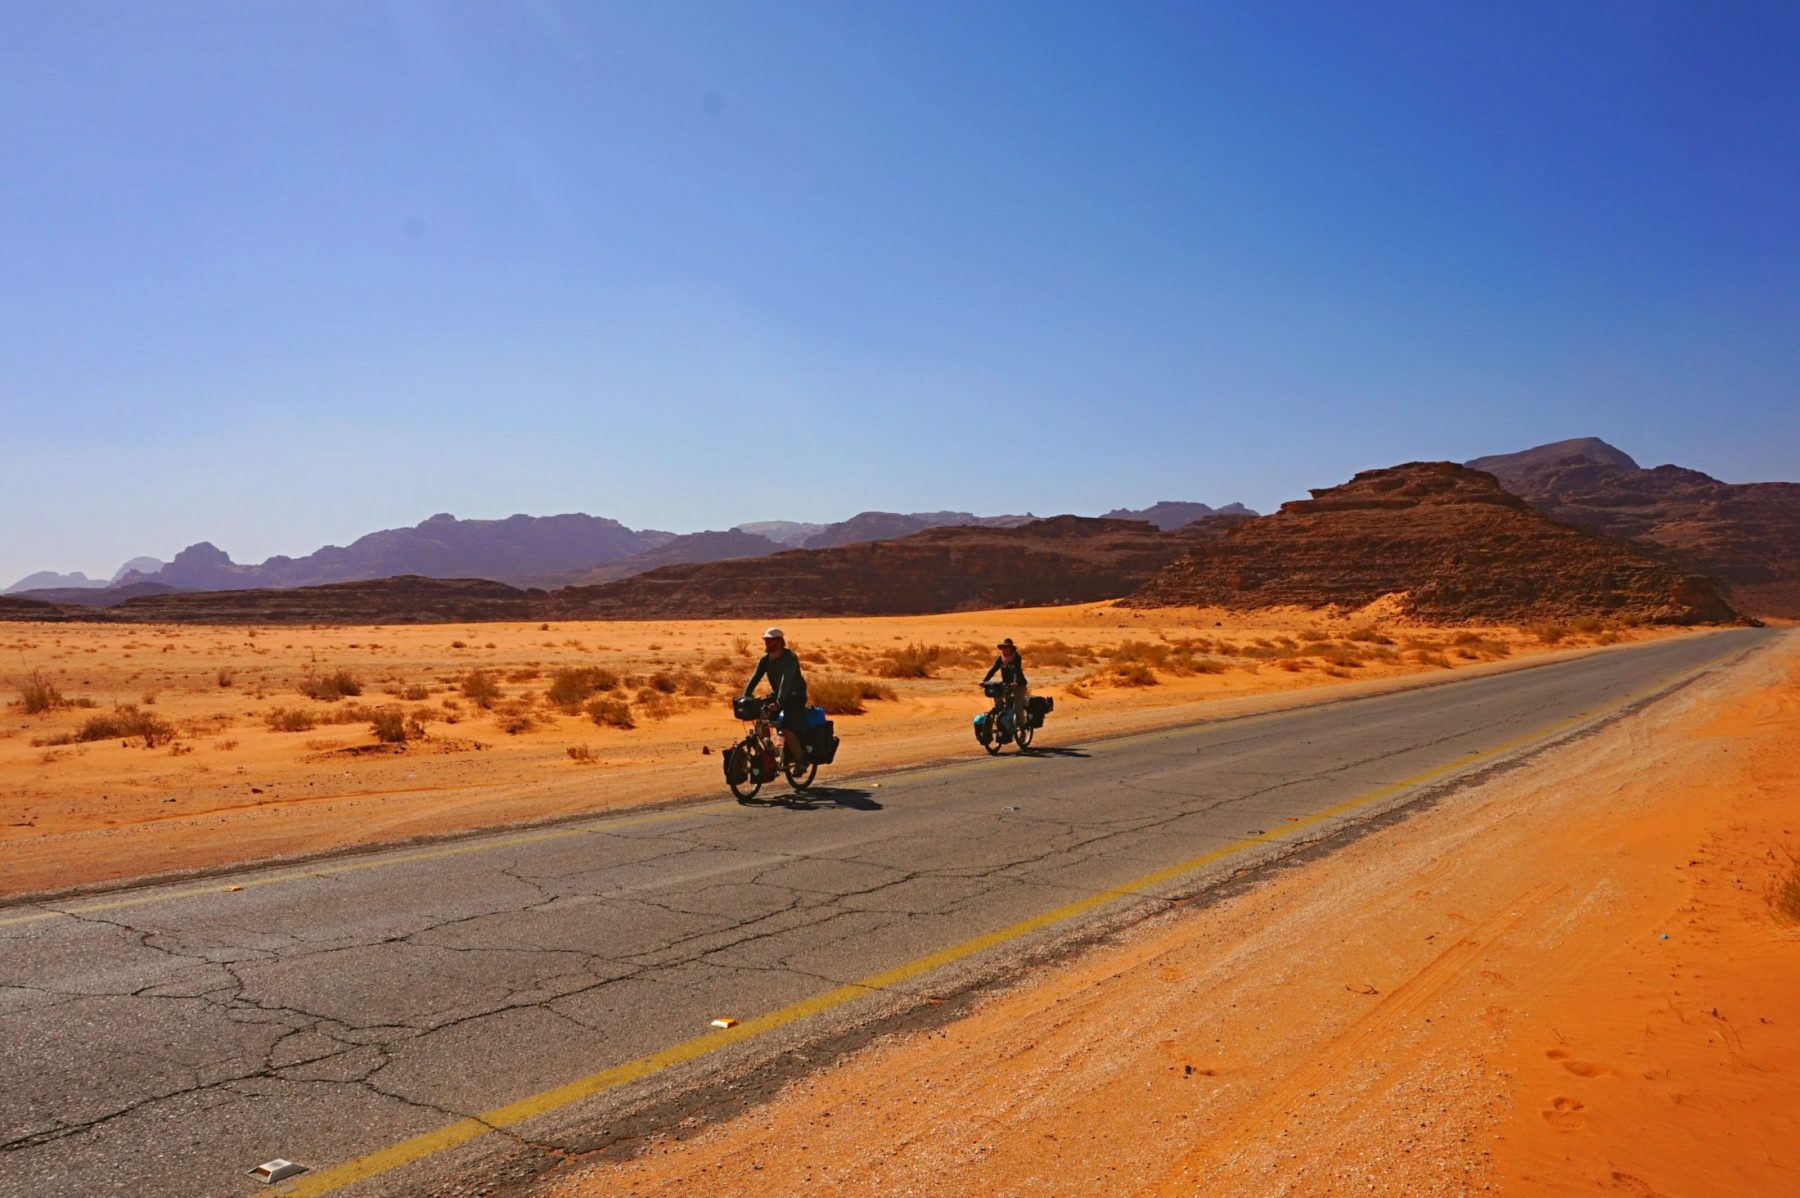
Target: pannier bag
[(737, 766), (746, 709), (821, 745), (1039, 706), (993, 690), (984, 731)]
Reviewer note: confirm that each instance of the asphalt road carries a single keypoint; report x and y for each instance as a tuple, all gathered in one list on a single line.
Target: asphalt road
[(456, 1018)]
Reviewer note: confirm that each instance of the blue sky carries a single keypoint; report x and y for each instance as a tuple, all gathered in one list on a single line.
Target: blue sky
[(280, 274)]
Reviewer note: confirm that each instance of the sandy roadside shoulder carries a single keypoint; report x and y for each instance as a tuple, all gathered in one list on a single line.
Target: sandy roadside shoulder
[(1566, 979)]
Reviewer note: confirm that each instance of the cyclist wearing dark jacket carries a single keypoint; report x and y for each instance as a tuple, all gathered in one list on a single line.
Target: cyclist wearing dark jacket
[(786, 684), (1011, 668)]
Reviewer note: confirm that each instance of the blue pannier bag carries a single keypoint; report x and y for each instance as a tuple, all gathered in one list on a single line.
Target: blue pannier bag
[(810, 718), (983, 733)]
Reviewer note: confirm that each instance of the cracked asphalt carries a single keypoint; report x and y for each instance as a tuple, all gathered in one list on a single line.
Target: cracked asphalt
[(162, 1041)]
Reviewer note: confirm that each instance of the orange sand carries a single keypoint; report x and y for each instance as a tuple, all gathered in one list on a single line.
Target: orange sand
[(230, 790), (1479, 999)]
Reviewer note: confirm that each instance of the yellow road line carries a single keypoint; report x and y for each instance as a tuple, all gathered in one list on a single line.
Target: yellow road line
[(406, 1152), (459, 848)]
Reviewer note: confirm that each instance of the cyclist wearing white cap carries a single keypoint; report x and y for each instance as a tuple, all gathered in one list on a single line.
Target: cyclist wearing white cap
[(786, 684)]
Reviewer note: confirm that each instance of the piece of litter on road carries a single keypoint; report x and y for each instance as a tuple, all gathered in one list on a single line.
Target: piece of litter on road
[(234, 888), (270, 1172), (1009, 808), (724, 1021)]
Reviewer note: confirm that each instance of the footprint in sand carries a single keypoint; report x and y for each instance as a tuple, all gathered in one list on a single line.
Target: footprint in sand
[(1578, 1068), (1628, 1184), (1564, 1114)]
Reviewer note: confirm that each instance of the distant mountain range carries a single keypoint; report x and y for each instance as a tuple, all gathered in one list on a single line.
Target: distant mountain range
[(1746, 534), (530, 551)]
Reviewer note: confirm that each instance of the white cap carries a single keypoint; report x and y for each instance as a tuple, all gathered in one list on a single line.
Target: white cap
[(774, 634)]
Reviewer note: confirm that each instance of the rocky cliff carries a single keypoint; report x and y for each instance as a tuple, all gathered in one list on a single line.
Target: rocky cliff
[(1449, 543)]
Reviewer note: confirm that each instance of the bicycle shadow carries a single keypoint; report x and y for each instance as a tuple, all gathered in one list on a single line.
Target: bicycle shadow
[(1055, 751), (850, 798)]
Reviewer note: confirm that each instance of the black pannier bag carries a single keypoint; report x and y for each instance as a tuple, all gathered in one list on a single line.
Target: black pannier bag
[(737, 766), (821, 745), (746, 709), (1037, 707)]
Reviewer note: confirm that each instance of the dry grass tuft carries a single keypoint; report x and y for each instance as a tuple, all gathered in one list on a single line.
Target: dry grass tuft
[(290, 719), (610, 713), (392, 726), (480, 688), (37, 694), (574, 685), (582, 755), (1784, 892), (329, 688), (127, 723), (914, 661), (845, 696)]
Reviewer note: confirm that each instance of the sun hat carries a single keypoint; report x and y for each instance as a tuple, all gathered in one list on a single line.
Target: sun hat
[(774, 634)]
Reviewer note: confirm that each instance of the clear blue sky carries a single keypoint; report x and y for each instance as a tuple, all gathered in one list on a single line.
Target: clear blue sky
[(278, 274)]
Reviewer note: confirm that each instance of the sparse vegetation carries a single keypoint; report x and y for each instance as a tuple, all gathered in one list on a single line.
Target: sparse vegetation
[(610, 713), (127, 723), (582, 755), (845, 696), (37, 694), (391, 725), (1784, 892), (290, 719), (571, 687), (480, 688), (329, 688), (225, 676), (913, 661)]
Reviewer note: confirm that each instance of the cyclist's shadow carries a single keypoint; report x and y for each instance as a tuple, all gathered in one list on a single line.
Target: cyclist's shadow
[(1054, 751), (818, 797)]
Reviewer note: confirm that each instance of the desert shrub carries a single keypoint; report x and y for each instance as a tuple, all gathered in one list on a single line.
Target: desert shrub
[(664, 682), (1431, 657), (1784, 892), (290, 719), (479, 688), (391, 725), (416, 692), (652, 704), (914, 661), (225, 676), (1548, 634), (741, 646), (59, 738), (523, 674), (127, 723), (1059, 655), (330, 687), (720, 667), (515, 717), (37, 694), (1133, 673), (581, 755), (1369, 634), (1292, 665), (845, 696), (1206, 665), (1587, 624), (1340, 657), (1140, 652), (1314, 634), (610, 713), (572, 686)]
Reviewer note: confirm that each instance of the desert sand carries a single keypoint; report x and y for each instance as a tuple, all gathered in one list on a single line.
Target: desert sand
[(227, 786), (1575, 977)]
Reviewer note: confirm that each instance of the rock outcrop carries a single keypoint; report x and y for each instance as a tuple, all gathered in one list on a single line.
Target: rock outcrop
[(1746, 534), (1447, 543)]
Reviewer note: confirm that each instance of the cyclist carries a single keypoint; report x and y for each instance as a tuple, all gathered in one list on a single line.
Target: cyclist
[(786, 685), (1011, 668)]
